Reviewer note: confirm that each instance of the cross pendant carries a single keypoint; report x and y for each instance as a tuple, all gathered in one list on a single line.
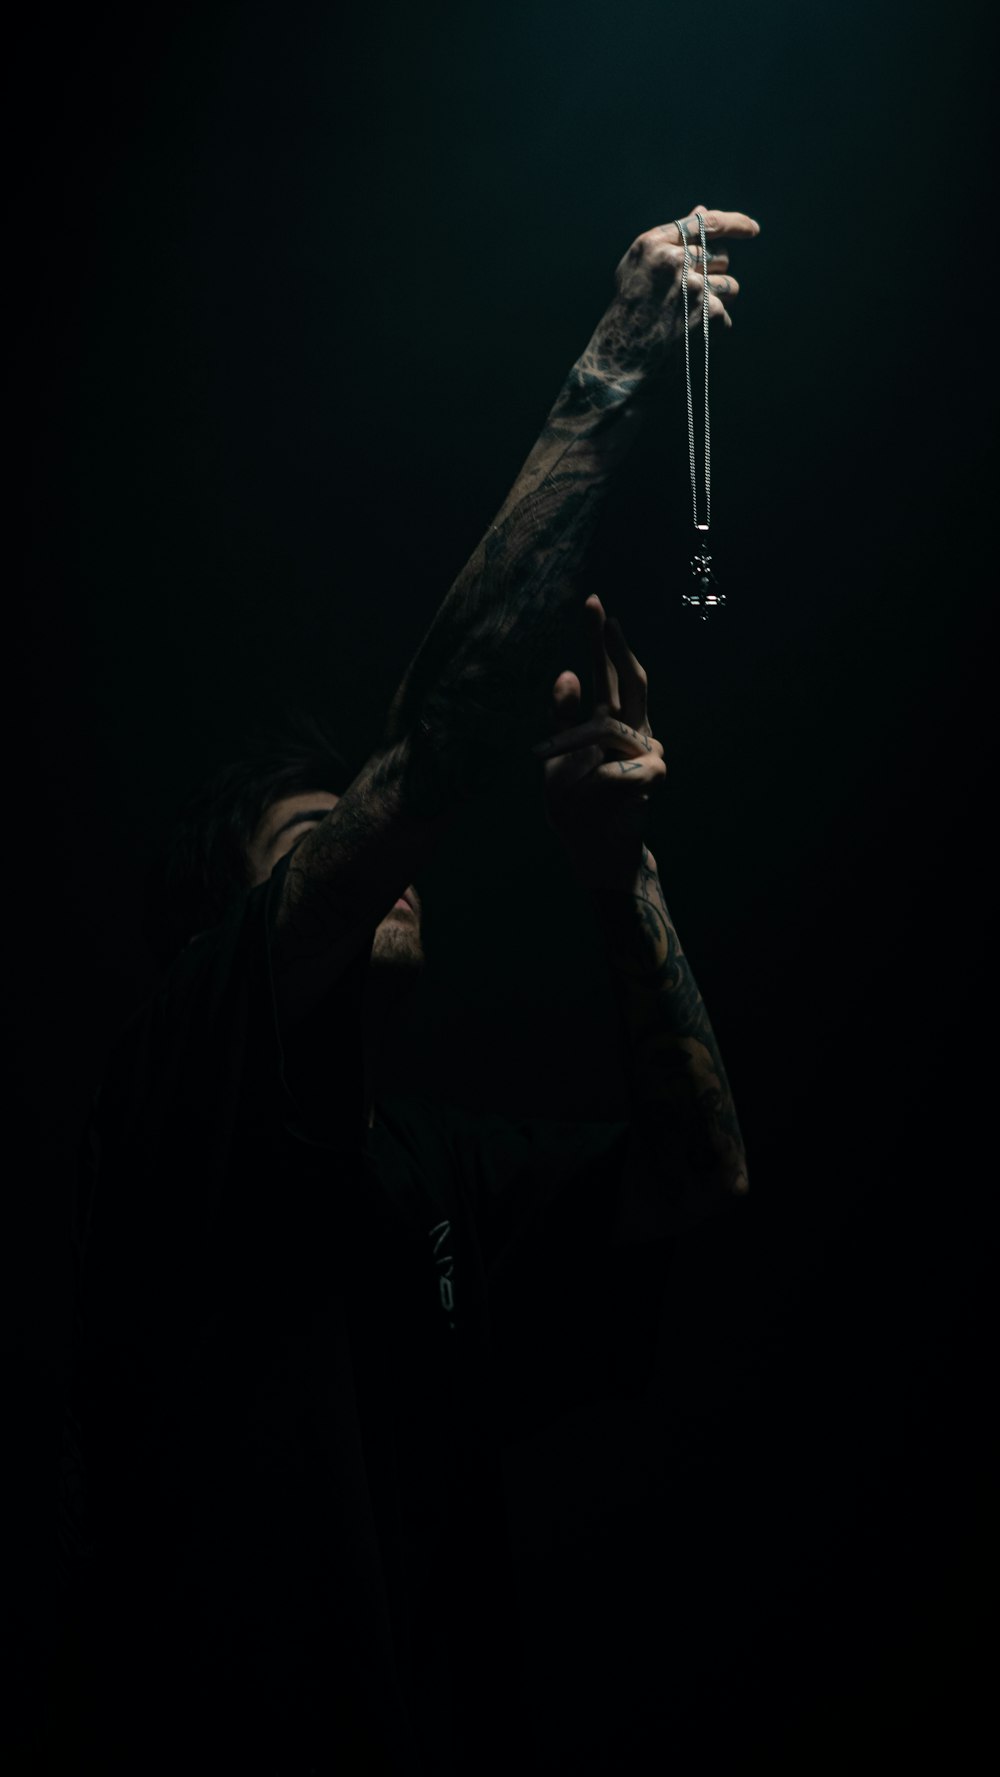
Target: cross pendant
[(704, 597)]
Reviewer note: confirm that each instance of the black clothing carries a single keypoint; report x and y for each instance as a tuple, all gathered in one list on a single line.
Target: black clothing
[(302, 1347)]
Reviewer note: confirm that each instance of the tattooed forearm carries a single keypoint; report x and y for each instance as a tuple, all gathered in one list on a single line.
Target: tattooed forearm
[(490, 641), (679, 1088), (455, 713)]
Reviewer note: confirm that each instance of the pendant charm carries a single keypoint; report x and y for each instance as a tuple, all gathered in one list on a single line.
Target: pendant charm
[(704, 598)]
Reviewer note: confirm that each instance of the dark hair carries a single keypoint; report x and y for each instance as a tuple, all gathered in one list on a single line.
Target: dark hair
[(204, 866)]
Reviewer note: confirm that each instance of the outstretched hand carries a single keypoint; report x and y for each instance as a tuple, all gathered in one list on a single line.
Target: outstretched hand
[(599, 774), (646, 315)]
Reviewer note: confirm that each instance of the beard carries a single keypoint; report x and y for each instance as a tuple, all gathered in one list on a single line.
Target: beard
[(397, 947)]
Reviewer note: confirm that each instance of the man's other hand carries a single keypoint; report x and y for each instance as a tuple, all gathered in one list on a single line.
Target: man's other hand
[(599, 774)]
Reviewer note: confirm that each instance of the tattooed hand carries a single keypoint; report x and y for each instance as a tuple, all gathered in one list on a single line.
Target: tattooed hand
[(599, 774), (647, 314), (494, 628)]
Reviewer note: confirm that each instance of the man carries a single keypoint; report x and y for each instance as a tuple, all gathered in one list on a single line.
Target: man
[(301, 1299)]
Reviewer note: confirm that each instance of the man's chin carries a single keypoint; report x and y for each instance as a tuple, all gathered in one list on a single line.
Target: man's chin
[(397, 945)]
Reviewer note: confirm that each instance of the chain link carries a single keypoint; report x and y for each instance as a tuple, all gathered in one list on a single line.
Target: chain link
[(682, 227)]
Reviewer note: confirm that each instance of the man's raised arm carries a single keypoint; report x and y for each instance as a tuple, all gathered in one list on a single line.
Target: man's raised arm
[(451, 718)]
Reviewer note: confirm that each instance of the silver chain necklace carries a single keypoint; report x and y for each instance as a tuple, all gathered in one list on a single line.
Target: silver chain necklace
[(704, 597)]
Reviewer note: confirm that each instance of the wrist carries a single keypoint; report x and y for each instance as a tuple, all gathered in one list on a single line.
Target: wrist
[(437, 779), (609, 875), (600, 396), (629, 349)]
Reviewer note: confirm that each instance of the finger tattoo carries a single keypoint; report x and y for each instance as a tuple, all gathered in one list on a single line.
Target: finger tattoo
[(633, 733)]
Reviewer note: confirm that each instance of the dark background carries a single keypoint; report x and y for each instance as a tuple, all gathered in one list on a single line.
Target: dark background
[(301, 287)]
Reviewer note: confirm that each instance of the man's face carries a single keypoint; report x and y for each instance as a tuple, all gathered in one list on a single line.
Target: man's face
[(397, 939)]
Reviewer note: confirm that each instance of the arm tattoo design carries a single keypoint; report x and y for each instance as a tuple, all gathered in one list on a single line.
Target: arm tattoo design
[(491, 637), (459, 705), (682, 1103)]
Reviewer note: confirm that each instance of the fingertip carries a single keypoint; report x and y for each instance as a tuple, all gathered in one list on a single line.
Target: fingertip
[(566, 697)]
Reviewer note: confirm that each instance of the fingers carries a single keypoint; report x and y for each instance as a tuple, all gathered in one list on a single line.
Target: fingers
[(566, 701), (717, 310), (607, 732), (637, 777), (666, 243), (730, 223), (632, 682), (647, 313), (723, 287), (665, 254), (718, 258), (620, 719), (567, 769), (605, 678), (641, 774), (720, 290)]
